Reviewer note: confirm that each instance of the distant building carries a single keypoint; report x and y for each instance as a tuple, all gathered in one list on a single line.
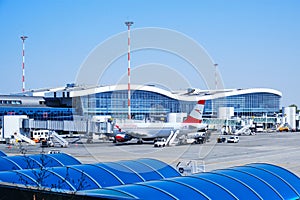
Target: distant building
[(34, 107)]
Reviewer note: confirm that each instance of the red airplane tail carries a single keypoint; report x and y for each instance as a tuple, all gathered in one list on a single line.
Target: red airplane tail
[(196, 114)]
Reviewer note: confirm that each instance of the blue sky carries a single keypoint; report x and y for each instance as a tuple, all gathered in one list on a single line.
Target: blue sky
[(255, 42)]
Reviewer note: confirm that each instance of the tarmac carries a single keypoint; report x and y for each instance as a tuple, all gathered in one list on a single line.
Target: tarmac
[(281, 149)]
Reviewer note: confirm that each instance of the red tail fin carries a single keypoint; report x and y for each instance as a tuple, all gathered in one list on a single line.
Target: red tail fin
[(118, 127), (196, 114)]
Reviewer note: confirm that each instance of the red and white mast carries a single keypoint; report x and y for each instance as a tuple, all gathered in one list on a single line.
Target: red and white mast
[(23, 38), (128, 24)]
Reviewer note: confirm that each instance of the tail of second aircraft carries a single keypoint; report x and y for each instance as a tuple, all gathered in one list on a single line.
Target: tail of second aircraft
[(196, 114)]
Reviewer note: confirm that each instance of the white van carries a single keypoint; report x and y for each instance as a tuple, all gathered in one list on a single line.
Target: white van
[(39, 135), (259, 127)]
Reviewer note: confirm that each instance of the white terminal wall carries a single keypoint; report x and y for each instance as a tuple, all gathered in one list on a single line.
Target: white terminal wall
[(226, 112), (290, 114), (176, 117)]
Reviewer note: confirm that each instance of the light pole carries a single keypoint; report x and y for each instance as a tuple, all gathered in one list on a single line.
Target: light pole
[(23, 38), (128, 24)]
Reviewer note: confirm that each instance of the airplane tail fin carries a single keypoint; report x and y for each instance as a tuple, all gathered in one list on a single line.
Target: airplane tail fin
[(118, 127), (196, 114)]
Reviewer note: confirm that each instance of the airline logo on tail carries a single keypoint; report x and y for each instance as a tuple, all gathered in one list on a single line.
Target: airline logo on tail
[(196, 114)]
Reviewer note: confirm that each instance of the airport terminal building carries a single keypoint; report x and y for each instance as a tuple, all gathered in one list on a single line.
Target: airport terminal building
[(149, 101), (93, 110)]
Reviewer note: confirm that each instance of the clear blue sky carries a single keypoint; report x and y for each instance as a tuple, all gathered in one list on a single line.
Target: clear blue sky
[(255, 42)]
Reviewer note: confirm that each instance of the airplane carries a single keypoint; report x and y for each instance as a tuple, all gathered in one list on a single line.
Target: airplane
[(151, 131)]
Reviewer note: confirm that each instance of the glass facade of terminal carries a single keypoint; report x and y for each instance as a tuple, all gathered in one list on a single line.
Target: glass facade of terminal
[(146, 104), (253, 104), (39, 113), (34, 107), (143, 104)]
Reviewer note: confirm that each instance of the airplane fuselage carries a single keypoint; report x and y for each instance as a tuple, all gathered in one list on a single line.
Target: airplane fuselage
[(192, 124), (158, 130)]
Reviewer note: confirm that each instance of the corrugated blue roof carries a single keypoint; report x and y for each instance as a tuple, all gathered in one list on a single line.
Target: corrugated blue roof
[(102, 176), (107, 193), (17, 177), (139, 191), (145, 171), (179, 190), (278, 184), (162, 168), (90, 176), (2, 153), (47, 178), (260, 187), (64, 159), (124, 173), (149, 179), (24, 162), (285, 175), (7, 164), (36, 161), (236, 188), (254, 181)]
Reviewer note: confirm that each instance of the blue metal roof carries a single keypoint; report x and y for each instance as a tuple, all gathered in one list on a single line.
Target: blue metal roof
[(274, 178), (139, 191), (64, 159), (162, 168), (24, 162), (213, 191), (146, 172), (7, 164), (148, 179), (179, 190), (2, 153), (102, 176), (254, 181), (235, 188), (133, 171), (36, 161), (127, 175), (89, 176), (260, 187), (17, 177), (107, 193), (285, 175)]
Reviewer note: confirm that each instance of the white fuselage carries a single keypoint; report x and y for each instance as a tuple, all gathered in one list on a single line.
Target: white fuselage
[(158, 130)]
